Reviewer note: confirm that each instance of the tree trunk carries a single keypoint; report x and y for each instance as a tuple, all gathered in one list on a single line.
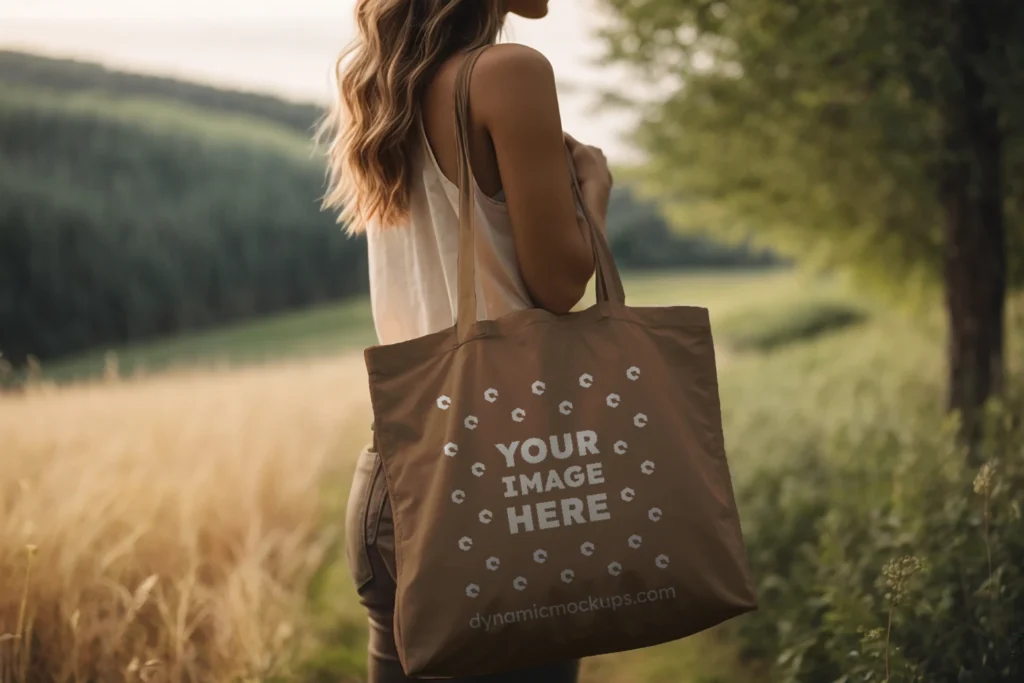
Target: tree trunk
[(976, 259)]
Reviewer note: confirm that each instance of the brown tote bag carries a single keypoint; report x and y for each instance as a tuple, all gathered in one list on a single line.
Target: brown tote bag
[(559, 484)]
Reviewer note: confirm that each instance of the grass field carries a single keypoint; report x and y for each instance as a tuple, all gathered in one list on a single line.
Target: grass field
[(733, 299), (186, 525), (314, 332)]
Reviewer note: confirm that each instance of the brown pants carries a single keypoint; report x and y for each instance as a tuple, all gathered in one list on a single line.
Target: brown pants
[(370, 537)]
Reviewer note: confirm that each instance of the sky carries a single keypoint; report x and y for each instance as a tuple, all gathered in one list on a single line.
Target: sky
[(288, 47)]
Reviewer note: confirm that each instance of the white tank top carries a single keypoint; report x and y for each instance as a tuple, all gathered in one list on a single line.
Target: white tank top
[(413, 267)]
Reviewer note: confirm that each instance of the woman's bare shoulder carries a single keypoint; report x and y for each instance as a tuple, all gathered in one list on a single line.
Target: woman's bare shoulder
[(513, 80), (506, 58)]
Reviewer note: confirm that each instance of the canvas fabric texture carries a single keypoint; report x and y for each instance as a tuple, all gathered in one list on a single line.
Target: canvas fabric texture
[(559, 484)]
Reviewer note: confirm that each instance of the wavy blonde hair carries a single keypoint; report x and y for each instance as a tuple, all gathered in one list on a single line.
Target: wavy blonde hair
[(380, 79)]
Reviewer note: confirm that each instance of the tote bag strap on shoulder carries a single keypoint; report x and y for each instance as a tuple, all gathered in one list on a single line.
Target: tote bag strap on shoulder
[(608, 283)]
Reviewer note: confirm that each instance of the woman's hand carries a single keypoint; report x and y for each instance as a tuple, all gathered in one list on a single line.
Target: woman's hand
[(591, 163), (594, 176)]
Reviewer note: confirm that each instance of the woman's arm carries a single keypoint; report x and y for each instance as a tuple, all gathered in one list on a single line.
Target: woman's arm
[(514, 97)]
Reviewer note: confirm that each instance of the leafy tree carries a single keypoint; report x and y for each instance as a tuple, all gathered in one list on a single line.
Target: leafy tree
[(886, 135)]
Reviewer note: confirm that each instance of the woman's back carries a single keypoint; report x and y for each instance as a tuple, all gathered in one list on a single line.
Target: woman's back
[(413, 267)]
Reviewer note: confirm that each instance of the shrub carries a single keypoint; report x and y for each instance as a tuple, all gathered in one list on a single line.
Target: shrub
[(882, 557), (765, 329)]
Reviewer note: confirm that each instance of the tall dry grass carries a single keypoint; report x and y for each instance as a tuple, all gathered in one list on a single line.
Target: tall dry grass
[(164, 529)]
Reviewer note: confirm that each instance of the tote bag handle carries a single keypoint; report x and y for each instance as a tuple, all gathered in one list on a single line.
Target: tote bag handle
[(608, 283)]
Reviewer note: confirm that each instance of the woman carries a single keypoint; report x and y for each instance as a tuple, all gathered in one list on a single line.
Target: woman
[(393, 161)]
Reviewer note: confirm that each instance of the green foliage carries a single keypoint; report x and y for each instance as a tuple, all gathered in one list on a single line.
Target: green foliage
[(123, 219), (876, 496), (820, 127), (764, 328), (846, 467)]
